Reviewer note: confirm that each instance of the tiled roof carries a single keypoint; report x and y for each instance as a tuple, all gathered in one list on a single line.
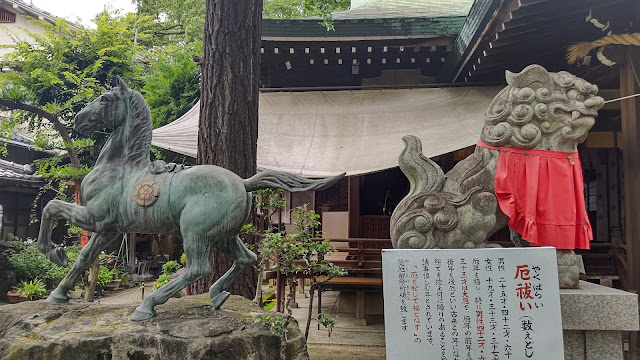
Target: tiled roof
[(378, 19), (18, 175), (389, 9), (34, 11)]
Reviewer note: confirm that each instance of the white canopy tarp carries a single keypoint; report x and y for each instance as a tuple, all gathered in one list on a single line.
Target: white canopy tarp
[(322, 133)]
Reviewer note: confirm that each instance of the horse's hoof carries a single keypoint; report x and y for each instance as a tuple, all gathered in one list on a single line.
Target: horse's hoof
[(142, 314), (219, 299), (58, 256), (57, 297)]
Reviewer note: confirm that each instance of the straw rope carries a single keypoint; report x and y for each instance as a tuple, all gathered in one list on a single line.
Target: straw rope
[(580, 50)]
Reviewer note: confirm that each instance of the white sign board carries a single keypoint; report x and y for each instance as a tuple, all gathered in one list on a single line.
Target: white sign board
[(481, 304)]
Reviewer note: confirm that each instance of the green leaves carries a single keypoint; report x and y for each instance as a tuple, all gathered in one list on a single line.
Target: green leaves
[(29, 263), (105, 276), (327, 321), (172, 85), (168, 269), (274, 322), (32, 290), (291, 9), (302, 251)]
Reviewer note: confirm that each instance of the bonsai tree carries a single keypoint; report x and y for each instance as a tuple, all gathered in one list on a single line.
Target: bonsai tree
[(268, 202), (301, 253)]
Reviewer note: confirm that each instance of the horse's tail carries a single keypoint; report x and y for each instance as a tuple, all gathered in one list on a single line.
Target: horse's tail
[(281, 180)]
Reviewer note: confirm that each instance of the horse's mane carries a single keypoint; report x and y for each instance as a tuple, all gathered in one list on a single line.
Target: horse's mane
[(139, 141)]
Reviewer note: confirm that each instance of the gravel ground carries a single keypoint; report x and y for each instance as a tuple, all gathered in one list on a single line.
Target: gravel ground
[(346, 352)]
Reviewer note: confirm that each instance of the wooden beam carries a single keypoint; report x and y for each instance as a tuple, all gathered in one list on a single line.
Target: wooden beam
[(354, 206), (631, 163), (131, 238)]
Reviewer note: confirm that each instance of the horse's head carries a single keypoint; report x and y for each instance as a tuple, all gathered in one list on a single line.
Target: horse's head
[(108, 111)]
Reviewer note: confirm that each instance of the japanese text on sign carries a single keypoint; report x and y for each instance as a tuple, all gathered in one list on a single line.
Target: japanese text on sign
[(482, 304)]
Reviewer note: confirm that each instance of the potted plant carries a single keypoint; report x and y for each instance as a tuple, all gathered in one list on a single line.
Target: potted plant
[(76, 293), (33, 290), (124, 279), (117, 279), (14, 297)]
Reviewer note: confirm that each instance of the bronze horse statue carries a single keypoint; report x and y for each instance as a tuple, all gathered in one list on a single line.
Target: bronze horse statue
[(126, 192)]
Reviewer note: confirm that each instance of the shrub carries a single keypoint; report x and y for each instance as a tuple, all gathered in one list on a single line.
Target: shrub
[(273, 322), (56, 273), (34, 289), (183, 259), (105, 276), (28, 262), (168, 269)]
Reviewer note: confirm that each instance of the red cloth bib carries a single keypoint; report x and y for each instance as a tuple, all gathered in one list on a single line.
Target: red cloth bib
[(542, 193)]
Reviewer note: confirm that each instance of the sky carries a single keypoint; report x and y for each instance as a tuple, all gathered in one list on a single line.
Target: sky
[(84, 9)]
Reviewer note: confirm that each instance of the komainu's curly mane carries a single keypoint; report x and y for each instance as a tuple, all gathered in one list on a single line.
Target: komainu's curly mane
[(541, 110)]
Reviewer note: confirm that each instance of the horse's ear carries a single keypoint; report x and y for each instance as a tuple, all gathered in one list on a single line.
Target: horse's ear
[(120, 83)]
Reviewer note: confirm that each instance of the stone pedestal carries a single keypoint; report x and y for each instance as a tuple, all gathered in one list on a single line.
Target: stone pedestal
[(569, 265), (593, 319), (185, 329)]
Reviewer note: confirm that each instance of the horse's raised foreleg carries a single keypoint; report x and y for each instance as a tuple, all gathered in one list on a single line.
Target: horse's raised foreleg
[(197, 250), (243, 259), (87, 256), (54, 211)]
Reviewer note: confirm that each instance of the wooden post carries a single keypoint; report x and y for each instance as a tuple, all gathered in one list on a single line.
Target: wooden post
[(354, 206), (360, 319), (131, 237), (631, 162)]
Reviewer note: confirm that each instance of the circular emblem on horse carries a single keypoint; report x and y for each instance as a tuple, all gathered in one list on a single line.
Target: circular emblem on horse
[(146, 193)]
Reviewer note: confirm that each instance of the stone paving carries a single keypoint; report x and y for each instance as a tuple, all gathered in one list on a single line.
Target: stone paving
[(347, 341), (128, 296)]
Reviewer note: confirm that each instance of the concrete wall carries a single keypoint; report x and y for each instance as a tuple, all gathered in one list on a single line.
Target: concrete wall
[(335, 224), (18, 29)]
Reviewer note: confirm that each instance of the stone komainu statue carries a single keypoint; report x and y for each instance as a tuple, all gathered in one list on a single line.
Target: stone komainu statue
[(525, 172)]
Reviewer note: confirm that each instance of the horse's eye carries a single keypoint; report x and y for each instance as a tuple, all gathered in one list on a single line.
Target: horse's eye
[(104, 100)]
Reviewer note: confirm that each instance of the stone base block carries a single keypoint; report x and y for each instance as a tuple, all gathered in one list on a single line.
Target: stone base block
[(359, 322), (568, 277), (593, 319)]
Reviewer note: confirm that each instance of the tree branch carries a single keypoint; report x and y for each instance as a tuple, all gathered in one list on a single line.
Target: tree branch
[(171, 27), (164, 33), (18, 105)]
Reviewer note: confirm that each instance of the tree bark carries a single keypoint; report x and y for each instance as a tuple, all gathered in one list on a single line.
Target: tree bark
[(228, 129), (89, 294)]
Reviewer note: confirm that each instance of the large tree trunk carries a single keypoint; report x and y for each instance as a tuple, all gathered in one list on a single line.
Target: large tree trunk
[(229, 105)]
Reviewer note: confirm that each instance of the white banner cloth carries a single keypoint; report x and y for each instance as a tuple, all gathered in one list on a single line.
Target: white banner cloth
[(322, 133)]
